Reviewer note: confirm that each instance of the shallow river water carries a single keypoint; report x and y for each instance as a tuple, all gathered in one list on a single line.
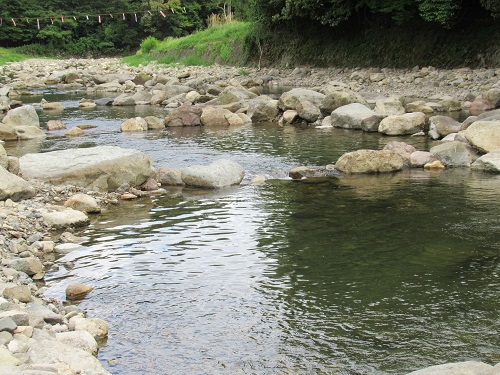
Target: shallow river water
[(349, 275)]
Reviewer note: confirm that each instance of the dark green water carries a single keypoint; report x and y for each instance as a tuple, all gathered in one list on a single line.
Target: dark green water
[(355, 275)]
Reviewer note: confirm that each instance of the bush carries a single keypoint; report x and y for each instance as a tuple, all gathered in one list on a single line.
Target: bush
[(149, 44)]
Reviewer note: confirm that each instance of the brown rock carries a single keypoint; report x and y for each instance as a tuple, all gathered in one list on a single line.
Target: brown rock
[(77, 290)]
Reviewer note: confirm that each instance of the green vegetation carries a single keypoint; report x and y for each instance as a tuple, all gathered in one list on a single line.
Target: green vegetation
[(8, 55), (224, 44)]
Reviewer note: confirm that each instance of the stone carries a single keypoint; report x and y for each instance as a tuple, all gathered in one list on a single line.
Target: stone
[(77, 290), (142, 97), (493, 97), (403, 149), (45, 349), (307, 110), (184, 115), (28, 132), (233, 94), (441, 126), (22, 116), (52, 106), (480, 105), (55, 125), (103, 168), (30, 266), (154, 122), (263, 109), (370, 161), (39, 311), (258, 180), (291, 99), (65, 248), (13, 165), (489, 162), (7, 324), (7, 358), (150, 185), (289, 116), (216, 116), (4, 159), (355, 116), (14, 187), (454, 154), (420, 158), (336, 99), (299, 173), (418, 106), (83, 202), (459, 368), (137, 124), (21, 318), (436, 164), (98, 328), (389, 106), (218, 174), (22, 293), (79, 339), (484, 135), (64, 219), (408, 123), (75, 132), (7, 132), (169, 176)]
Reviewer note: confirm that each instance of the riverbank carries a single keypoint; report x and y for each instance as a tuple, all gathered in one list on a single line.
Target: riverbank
[(26, 236)]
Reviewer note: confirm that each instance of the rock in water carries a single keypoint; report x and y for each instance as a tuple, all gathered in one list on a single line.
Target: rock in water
[(218, 174), (77, 290), (103, 168)]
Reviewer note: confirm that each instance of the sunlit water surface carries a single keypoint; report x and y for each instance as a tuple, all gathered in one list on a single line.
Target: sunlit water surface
[(355, 275)]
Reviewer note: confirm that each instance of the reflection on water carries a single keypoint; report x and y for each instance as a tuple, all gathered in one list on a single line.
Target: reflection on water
[(349, 275)]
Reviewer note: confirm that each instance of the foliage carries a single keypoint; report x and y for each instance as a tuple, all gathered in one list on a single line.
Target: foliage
[(221, 44), (10, 55), (149, 44)]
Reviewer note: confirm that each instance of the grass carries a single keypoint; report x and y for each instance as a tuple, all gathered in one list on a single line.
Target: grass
[(219, 44), (8, 55)]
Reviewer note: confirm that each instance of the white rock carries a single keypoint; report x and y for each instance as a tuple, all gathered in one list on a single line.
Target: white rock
[(218, 174)]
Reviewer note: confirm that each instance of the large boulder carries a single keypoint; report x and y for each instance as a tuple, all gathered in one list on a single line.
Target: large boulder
[(307, 110), (137, 124), (441, 126), (292, 98), (355, 116), (28, 132), (370, 161), (22, 116), (185, 115), (459, 368), (14, 187), (154, 123), (169, 176), (484, 135), (102, 168), (217, 116), (489, 162), (409, 123), (454, 154), (336, 99), (218, 174), (78, 339), (124, 100), (263, 109), (389, 107), (493, 96)]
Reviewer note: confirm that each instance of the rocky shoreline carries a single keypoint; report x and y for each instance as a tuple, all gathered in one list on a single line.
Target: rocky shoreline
[(43, 199)]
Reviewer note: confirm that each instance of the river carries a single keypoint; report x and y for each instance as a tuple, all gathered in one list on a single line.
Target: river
[(350, 275)]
